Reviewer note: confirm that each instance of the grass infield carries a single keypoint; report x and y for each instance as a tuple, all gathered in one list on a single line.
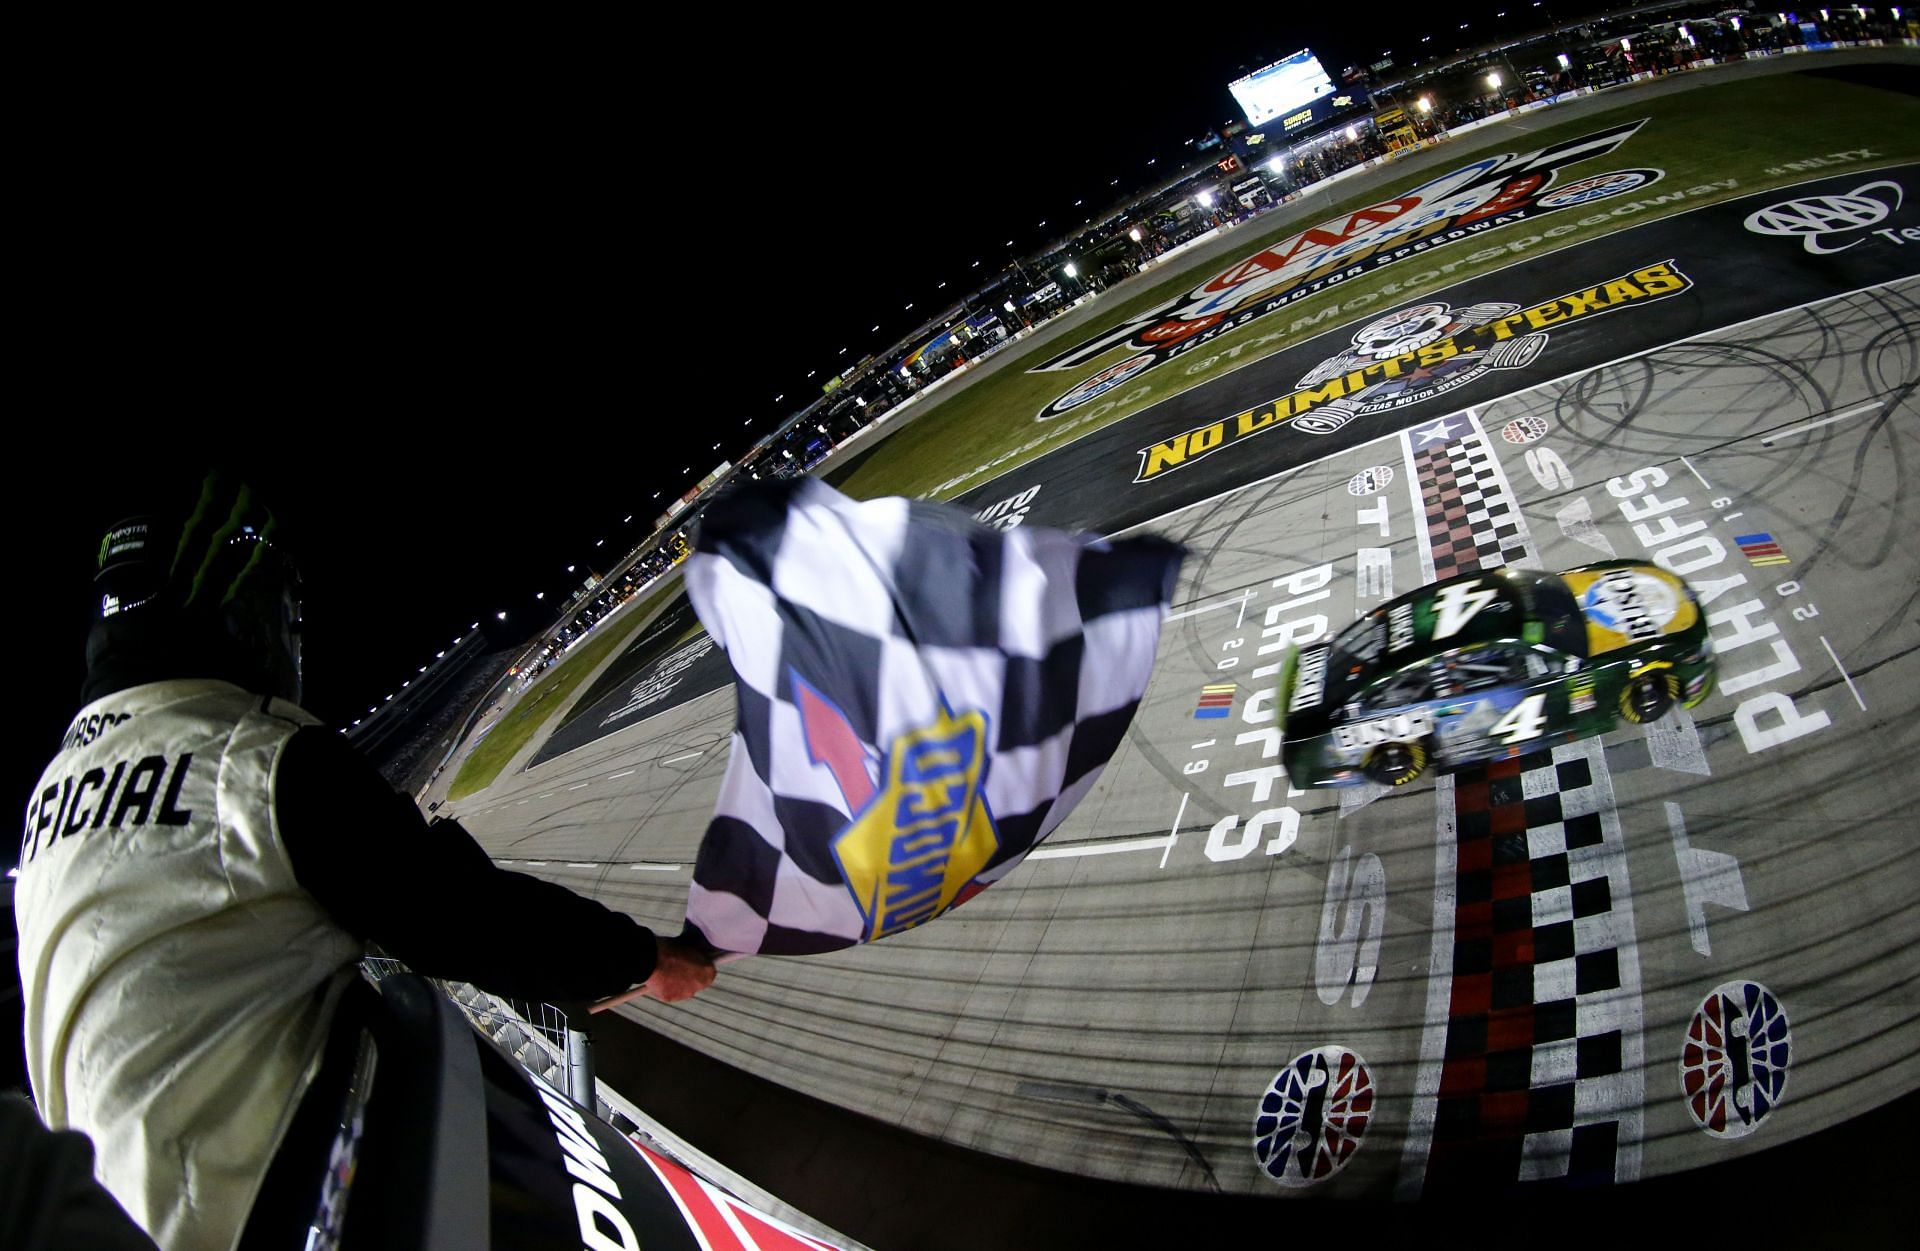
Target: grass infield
[(1740, 133), (549, 697)]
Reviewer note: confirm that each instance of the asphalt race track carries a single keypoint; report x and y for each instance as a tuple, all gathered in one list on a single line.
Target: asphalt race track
[(1627, 957)]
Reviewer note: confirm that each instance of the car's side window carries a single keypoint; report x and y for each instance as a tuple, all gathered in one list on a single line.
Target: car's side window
[(1410, 686), (1479, 668)]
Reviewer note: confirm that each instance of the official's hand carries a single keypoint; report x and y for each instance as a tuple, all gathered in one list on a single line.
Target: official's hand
[(680, 973)]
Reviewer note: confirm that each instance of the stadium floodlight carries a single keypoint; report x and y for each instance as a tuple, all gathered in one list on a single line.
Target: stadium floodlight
[(629, 518), (570, 567), (1205, 199), (599, 542), (439, 655), (1736, 21), (476, 625), (1493, 80), (1424, 104), (1278, 164), (1133, 233), (1009, 307), (539, 594), (1626, 45), (857, 400), (1071, 270), (787, 452), (501, 615), (423, 668), (1352, 134), (1565, 64)]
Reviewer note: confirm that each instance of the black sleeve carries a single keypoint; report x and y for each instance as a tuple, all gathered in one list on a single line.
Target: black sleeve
[(428, 893)]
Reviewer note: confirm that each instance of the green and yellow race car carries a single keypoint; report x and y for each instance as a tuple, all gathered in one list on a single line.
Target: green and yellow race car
[(1492, 664)]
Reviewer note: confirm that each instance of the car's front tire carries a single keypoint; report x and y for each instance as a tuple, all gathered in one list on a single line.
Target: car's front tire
[(1396, 764)]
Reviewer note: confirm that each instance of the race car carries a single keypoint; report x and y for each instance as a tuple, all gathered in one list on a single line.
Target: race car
[(1492, 664)]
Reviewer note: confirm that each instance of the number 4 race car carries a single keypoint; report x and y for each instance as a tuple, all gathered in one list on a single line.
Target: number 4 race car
[(1492, 664)]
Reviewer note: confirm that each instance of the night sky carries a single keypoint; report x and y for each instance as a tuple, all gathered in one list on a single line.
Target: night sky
[(460, 301)]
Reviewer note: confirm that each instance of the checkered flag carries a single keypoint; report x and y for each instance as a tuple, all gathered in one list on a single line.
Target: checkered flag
[(921, 700)]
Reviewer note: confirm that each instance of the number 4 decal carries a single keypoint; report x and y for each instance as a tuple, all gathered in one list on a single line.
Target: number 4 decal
[(1454, 606), (1522, 722)]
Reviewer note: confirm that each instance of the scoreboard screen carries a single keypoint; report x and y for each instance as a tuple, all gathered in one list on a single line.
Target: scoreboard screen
[(1285, 87)]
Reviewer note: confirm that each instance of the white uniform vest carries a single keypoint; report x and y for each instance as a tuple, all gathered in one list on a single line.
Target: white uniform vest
[(179, 982)]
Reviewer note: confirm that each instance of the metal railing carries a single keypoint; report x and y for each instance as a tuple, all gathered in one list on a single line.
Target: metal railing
[(537, 1035)]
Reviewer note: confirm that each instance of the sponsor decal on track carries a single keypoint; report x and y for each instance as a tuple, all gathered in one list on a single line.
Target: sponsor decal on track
[(1460, 204), (1409, 356), (1313, 1116), (1821, 221), (1524, 430), (1734, 1066), (1008, 513), (1762, 549), (1215, 701), (1370, 480)]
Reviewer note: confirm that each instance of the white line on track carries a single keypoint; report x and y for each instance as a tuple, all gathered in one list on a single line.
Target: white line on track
[(1844, 674), (689, 756), (1101, 849), (621, 774), (548, 795), (1696, 473), (518, 802), (1225, 603), (655, 868), (1770, 439), (536, 862), (1174, 834), (580, 787), (581, 864)]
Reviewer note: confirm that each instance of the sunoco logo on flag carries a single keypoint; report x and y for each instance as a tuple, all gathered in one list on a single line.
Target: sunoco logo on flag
[(919, 841), (920, 700)]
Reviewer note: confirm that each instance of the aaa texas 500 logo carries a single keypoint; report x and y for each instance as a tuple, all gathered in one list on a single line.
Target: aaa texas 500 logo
[(1484, 195), (1410, 355)]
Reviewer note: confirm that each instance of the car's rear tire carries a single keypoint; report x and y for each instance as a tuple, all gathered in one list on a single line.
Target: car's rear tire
[(1647, 697), (1396, 764)]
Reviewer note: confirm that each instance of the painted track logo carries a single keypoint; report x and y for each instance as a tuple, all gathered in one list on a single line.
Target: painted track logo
[(1483, 195), (1409, 356), (1313, 1116), (1733, 1068), (1812, 219)]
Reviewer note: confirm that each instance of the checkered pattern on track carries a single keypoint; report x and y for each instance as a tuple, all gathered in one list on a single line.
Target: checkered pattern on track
[(1472, 520), (1531, 1084), (1540, 1075)]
